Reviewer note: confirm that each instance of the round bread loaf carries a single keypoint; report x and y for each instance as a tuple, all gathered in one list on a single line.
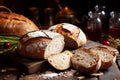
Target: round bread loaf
[(15, 24), (85, 61), (40, 44), (74, 36)]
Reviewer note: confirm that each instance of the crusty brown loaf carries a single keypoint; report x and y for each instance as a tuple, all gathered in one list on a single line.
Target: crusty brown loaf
[(107, 57), (33, 50), (74, 36), (85, 61), (15, 24), (40, 44)]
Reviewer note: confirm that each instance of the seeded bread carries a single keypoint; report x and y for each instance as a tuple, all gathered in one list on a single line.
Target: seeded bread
[(40, 44), (107, 57), (61, 61), (74, 36), (85, 61)]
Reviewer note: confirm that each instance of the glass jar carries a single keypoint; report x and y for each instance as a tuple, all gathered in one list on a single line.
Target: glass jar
[(114, 24), (94, 26), (48, 17), (35, 15)]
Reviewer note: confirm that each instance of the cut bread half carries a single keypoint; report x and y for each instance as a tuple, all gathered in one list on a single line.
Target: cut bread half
[(40, 44), (85, 61), (55, 46), (61, 61)]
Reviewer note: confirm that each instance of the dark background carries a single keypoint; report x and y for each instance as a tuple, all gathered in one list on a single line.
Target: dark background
[(81, 7)]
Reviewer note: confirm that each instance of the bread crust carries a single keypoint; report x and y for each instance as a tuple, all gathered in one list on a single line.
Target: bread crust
[(15, 24), (34, 48)]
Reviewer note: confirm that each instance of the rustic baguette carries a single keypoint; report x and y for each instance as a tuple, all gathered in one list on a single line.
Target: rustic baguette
[(15, 24), (74, 36), (40, 44), (85, 61)]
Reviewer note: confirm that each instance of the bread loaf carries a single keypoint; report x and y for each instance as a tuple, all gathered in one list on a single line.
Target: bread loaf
[(85, 61), (15, 24), (61, 61), (40, 44), (74, 36), (107, 57)]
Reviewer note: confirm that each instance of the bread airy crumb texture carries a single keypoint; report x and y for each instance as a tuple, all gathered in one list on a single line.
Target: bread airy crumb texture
[(106, 56), (55, 46), (85, 61), (61, 61)]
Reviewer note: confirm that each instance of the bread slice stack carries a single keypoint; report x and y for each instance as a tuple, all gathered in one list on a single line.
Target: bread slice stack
[(85, 61), (106, 56)]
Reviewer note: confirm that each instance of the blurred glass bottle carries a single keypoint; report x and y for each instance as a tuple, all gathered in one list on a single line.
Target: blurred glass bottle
[(48, 17), (100, 9), (35, 15), (94, 26), (114, 24)]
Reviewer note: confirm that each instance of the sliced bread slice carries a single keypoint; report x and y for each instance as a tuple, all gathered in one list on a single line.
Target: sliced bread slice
[(85, 61), (61, 61)]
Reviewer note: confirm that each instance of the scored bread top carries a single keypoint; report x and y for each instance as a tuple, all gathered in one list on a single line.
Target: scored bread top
[(39, 33), (74, 36)]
